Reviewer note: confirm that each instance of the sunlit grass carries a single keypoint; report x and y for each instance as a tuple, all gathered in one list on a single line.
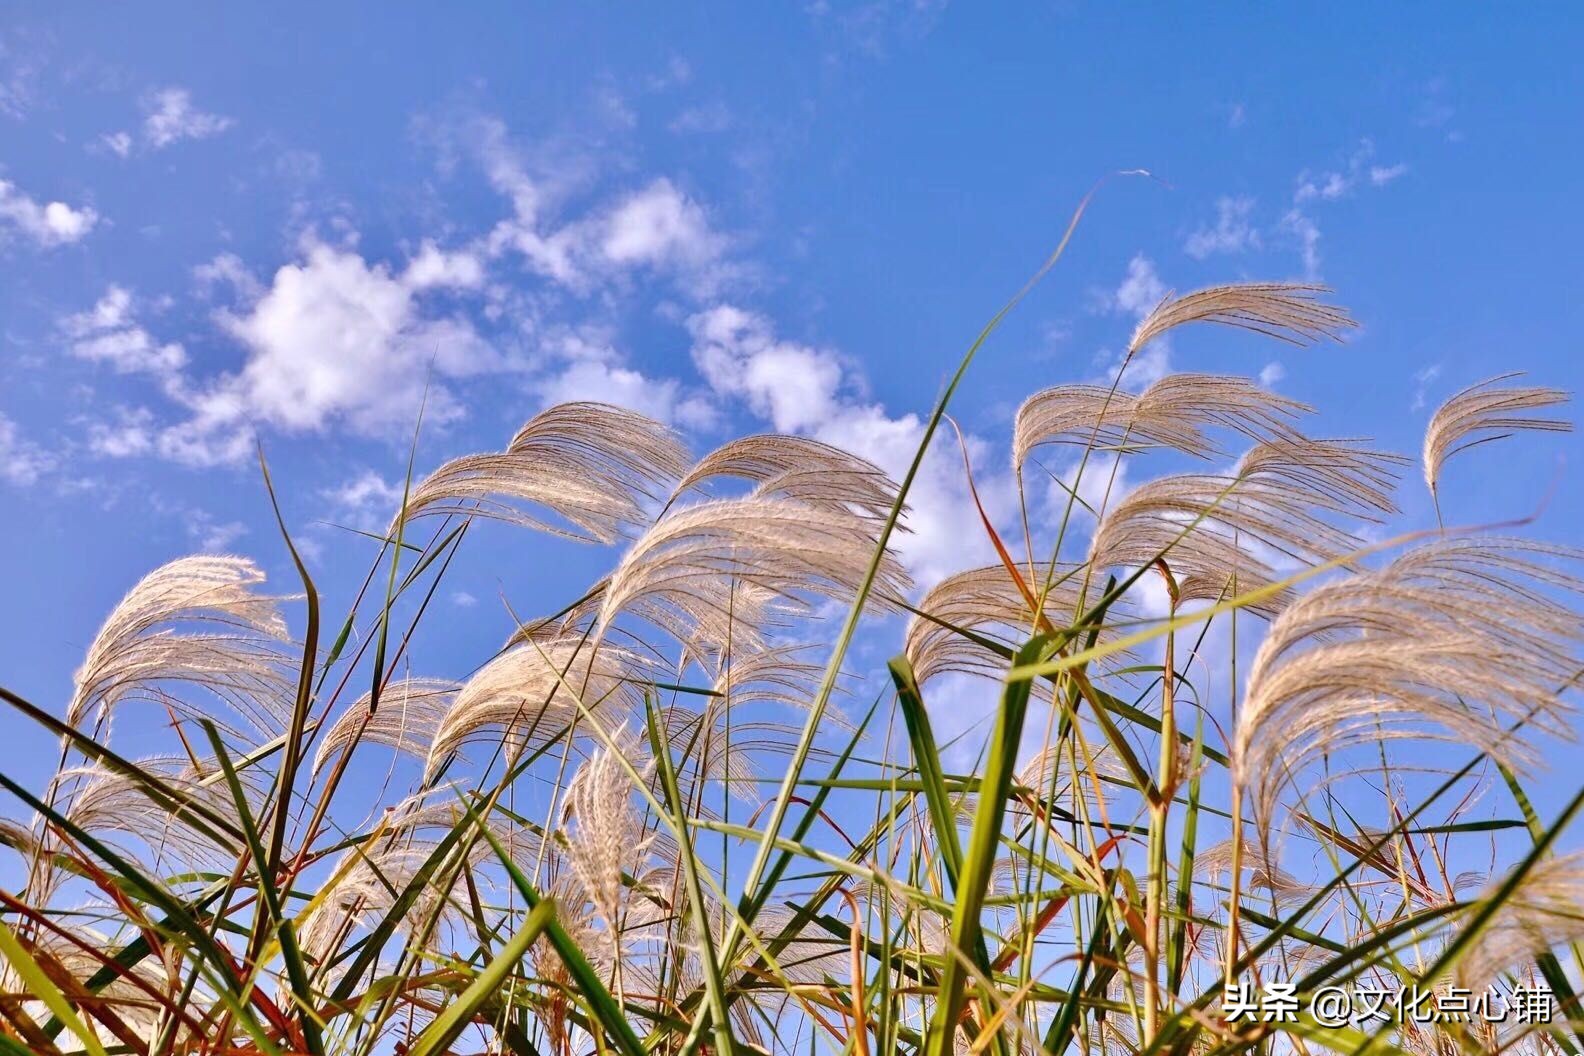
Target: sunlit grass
[(645, 826)]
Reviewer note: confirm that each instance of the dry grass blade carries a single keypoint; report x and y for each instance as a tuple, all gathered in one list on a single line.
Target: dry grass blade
[(1486, 411)]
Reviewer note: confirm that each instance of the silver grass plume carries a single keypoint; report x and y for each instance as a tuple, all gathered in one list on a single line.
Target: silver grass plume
[(1453, 640), (127, 995), (1205, 526), (531, 693), (719, 743), (605, 835), (617, 447), (1546, 910), (1174, 412), (1264, 874), (594, 466), (987, 602), (408, 719), (801, 460), (197, 620), (1284, 310), (116, 808), (1486, 411), (366, 881), (1339, 475), (684, 574)]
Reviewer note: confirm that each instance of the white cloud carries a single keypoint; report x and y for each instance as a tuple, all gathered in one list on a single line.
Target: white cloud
[(22, 462), (1302, 227), (799, 389), (1237, 115), (367, 499), (462, 599), (108, 333), (583, 364), (117, 143), (435, 268), (659, 225), (1141, 289), (793, 385), (706, 119), (211, 535), (332, 339), (1422, 380), (131, 433), (1232, 233), (336, 337), (1381, 175), (227, 269), (169, 116), (1315, 188), (49, 224), (1271, 375)]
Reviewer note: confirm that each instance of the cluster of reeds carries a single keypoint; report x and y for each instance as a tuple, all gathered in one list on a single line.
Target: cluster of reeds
[(643, 825)]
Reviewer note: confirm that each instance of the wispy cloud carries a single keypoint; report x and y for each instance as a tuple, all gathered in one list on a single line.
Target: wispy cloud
[(22, 462), (169, 116), (109, 333), (1233, 231), (1423, 378), (1314, 188), (46, 224)]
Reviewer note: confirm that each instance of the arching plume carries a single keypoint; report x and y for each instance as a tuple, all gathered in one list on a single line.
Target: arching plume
[(408, 719), (593, 466), (682, 574), (115, 808), (1453, 640), (986, 602), (199, 622), (759, 458), (530, 694), (1286, 311), (1486, 411), (604, 443), (1174, 412), (1202, 527), (1544, 913), (1339, 475)]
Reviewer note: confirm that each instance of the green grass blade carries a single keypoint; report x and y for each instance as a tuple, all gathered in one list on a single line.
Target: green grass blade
[(602, 1004), (269, 895), (40, 985), (926, 756), (714, 982), (484, 987), (984, 838)]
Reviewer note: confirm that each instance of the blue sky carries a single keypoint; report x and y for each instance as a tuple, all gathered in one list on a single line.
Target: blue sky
[(228, 223)]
